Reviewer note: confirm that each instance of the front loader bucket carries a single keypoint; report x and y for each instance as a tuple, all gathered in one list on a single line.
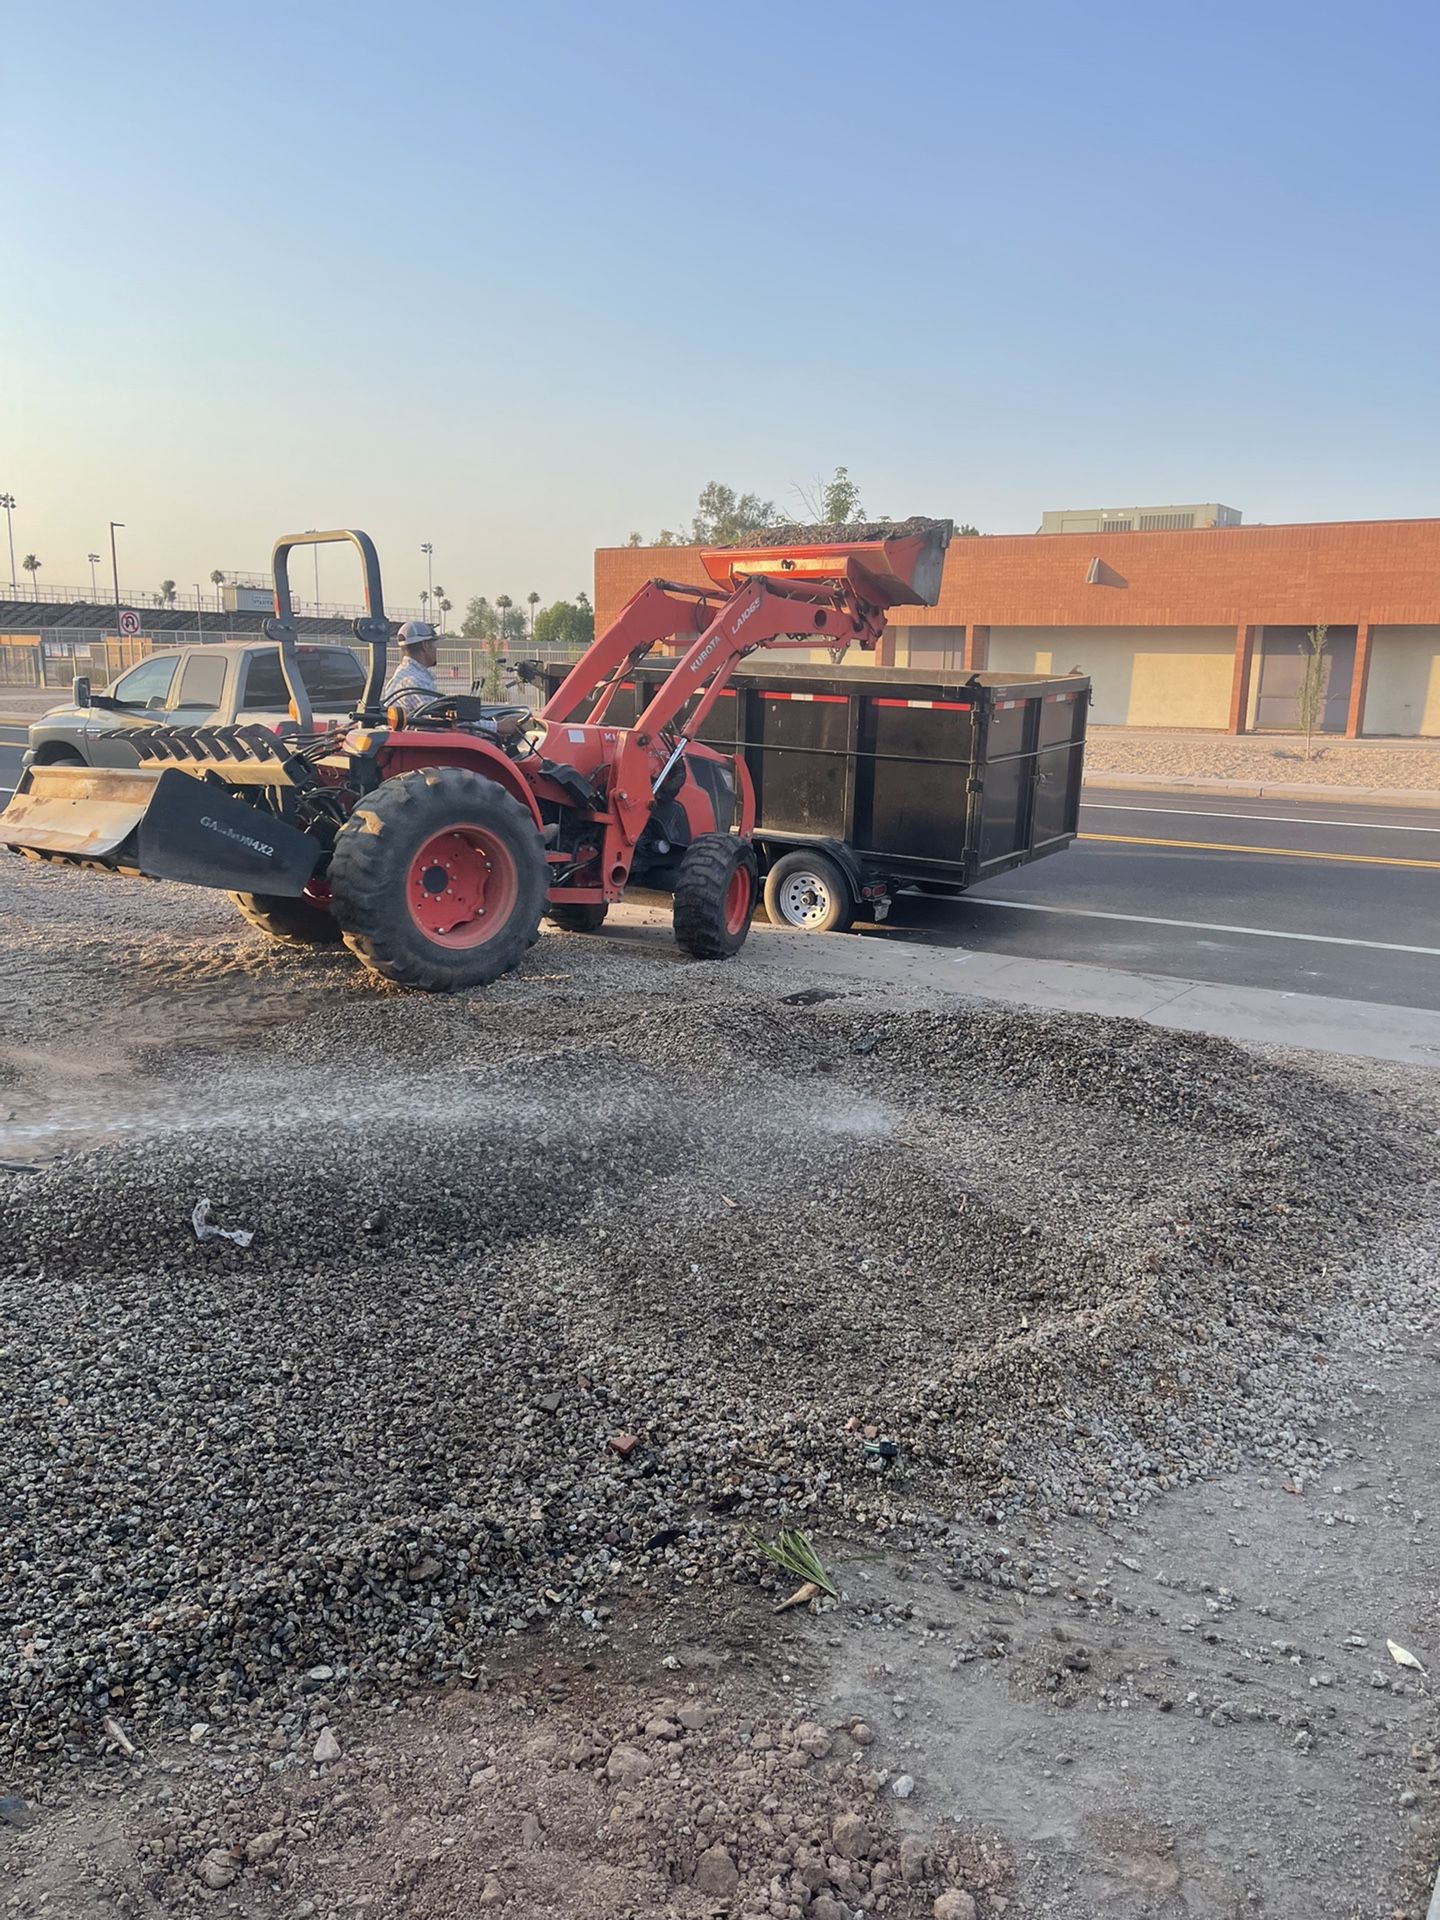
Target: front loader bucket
[(891, 564), (166, 825)]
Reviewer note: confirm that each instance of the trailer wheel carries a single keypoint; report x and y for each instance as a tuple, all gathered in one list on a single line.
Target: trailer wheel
[(715, 895), (438, 880), (809, 891), (573, 916), (293, 921)]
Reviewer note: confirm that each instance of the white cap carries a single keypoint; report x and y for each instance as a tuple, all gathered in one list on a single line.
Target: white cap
[(415, 633)]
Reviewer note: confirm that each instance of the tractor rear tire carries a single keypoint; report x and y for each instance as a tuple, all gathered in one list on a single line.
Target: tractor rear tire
[(439, 879), (571, 916), (715, 895), (808, 891), (290, 919)]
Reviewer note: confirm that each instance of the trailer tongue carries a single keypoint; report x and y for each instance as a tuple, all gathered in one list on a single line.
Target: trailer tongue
[(435, 842)]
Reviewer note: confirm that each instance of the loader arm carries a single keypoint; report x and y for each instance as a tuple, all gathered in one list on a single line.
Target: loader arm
[(759, 613), (824, 595)]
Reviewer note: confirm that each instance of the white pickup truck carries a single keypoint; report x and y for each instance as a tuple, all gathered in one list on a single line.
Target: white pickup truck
[(198, 686)]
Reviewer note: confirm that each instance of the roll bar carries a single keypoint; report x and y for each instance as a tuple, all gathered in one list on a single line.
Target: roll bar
[(372, 629)]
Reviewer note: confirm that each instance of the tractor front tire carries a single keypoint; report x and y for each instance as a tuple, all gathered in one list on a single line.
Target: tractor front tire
[(290, 919), (571, 916), (715, 895), (438, 880)]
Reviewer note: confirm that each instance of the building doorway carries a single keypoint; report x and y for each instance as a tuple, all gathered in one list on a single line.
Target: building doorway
[(1282, 670)]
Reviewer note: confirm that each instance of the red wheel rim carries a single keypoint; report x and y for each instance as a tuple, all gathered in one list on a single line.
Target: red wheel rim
[(737, 900), (461, 886)]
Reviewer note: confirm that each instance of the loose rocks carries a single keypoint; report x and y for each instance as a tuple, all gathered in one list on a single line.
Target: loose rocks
[(1062, 1263)]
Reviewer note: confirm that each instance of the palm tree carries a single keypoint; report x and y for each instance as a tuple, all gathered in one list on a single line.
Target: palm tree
[(167, 592), (445, 606), (424, 601), (32, 566), (532, 600), (217, 580), (504, 603)]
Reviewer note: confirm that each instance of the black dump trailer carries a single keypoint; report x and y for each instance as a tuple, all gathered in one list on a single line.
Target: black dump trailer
[(870, 779)]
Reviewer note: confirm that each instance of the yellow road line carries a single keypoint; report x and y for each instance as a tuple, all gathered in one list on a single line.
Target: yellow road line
[(1281, 853)]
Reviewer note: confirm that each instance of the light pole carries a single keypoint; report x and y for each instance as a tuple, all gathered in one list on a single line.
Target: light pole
[(199, 614), (7, 500), (429, 552), (94, 560), (115, 570)]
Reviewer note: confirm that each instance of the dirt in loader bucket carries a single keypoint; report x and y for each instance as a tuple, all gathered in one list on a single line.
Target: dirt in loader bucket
[(890, 563)]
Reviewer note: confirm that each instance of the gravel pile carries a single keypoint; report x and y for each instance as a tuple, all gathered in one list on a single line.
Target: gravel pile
[(568, 1285)]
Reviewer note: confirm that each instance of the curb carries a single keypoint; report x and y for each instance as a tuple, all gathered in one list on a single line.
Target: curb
[(1425, 798)]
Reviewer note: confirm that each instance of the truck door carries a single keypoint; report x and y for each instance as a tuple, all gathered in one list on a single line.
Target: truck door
[(199, 698), (144, 694)]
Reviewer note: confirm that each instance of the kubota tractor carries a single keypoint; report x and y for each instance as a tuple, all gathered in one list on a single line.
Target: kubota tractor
[(434, 844)]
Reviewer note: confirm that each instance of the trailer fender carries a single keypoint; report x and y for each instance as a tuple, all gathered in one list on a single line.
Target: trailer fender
[(775, 846)]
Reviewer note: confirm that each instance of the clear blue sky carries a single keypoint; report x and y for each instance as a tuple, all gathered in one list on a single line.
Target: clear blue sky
[(518, 279)]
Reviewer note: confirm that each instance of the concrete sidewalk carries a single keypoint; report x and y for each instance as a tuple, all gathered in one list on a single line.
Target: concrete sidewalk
[(1253, 1015)]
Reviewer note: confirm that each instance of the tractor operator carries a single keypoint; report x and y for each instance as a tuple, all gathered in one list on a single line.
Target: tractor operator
[(412, 685)]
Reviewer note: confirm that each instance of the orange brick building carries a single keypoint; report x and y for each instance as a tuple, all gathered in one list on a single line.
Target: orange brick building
[(1200, 628)]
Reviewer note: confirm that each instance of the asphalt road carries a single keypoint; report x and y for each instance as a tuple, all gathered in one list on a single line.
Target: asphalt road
[(1335, 899)]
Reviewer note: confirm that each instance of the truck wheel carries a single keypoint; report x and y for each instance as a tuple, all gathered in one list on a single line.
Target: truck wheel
[(572, 916), (438, 880), (715, 895), (809, 891), (293, 921)]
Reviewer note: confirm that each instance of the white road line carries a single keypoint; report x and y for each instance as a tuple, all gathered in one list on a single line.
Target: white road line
[(1203, 926), (1280, 819)]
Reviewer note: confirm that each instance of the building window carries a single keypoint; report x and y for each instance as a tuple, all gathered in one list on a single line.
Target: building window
[(1165, 522)]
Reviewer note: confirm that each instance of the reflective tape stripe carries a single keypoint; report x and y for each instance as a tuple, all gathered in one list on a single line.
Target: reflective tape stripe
[(827, 699), (939, 706)]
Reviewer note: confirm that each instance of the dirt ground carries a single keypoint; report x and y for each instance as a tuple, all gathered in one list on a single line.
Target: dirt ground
[(1184, 1707), (1270, 758)]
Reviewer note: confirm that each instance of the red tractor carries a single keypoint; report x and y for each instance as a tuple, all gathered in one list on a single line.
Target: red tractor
[(435, 843)]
